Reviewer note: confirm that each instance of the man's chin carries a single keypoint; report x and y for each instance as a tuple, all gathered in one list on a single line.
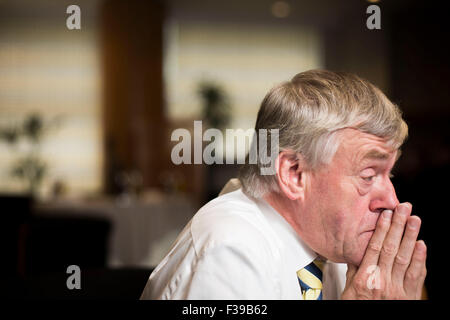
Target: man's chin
[(355, 261), (355, 258)]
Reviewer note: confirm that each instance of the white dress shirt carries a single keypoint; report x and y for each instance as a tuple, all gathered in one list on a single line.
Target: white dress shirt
[(236, 247)]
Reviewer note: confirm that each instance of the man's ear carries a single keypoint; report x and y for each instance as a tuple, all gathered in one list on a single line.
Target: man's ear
[(290, 169)]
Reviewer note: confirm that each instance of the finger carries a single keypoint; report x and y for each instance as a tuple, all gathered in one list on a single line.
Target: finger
[(376, 242), (421, 293), (393, 238), (405, 252), (415, 272)]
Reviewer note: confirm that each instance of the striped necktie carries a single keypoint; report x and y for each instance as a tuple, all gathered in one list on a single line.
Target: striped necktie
[(310, 279)]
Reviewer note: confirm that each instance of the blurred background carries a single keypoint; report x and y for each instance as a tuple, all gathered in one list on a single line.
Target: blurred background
[(86, 118)]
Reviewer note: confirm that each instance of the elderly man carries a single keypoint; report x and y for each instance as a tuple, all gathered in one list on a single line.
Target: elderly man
[(326, 225)]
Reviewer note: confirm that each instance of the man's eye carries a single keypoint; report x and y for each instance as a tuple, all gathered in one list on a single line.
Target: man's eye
[(368, 175), (368, 179)]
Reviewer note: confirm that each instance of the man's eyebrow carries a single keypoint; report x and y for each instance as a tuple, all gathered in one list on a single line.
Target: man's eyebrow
[(378, 155), (375, 154)]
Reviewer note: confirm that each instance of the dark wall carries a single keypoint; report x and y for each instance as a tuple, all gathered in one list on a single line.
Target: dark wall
[(420, 69), (409, 60)]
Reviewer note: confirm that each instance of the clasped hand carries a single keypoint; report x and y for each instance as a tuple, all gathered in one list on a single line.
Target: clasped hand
[(393, 266)]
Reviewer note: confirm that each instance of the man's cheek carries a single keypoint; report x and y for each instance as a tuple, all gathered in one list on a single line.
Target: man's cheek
[(340, 226)]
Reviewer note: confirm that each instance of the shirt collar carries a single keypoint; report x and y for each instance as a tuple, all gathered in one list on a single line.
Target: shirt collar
[(298, 252)]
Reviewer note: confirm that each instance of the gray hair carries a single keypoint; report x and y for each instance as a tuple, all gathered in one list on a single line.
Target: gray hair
[(309, 109)]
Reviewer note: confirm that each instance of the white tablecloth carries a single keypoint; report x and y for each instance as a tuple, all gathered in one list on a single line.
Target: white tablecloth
[(142, 232)]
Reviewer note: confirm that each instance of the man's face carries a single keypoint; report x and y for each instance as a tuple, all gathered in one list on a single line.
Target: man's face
[(344, 199)]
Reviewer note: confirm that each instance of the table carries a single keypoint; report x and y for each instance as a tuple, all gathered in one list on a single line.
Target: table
[(142, 231)]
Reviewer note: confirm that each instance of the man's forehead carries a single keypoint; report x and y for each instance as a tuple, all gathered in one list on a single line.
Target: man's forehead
[(360, 146)]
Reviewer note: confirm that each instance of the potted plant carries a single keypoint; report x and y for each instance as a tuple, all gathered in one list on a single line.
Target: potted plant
[(28, 165)]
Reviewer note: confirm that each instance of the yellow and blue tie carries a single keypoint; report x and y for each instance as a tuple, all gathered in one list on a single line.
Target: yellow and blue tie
[(310, 279)]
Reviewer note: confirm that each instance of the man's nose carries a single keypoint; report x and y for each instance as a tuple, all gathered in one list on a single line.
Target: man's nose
[(384, 197)]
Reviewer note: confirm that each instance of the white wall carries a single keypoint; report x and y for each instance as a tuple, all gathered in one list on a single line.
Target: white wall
[(246, 60), (46, 68)]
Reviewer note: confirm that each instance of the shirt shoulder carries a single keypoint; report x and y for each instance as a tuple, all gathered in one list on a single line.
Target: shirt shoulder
[(229, 219), (225, 252)]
